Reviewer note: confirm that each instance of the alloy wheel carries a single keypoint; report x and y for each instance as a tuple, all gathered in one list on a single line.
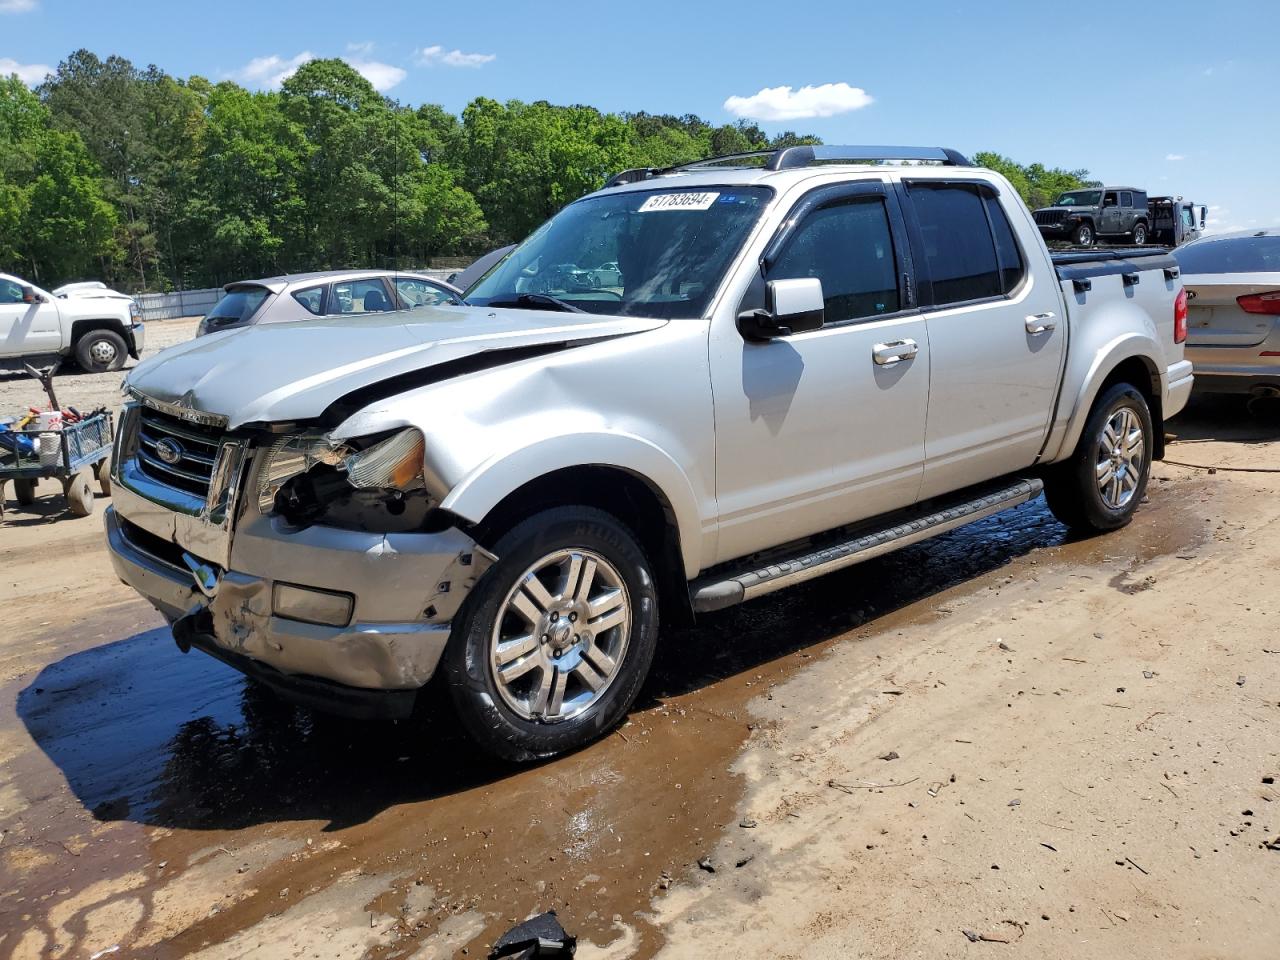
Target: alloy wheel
[(1121, 458), (560, 636)]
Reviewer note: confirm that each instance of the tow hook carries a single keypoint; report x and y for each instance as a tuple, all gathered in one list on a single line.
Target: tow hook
[(205, 576)]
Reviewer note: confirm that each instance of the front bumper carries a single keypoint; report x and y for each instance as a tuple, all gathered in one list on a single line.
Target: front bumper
[(405, 589), (137, 340), (1063, 228)]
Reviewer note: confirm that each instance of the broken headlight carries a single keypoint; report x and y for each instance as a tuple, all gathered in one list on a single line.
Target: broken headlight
[(367, 484)]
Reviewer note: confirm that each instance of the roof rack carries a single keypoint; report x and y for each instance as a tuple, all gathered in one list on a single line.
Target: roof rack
[(791, 158)]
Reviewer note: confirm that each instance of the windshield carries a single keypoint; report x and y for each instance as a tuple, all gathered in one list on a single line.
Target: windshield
[(644, 253), (238, 304), (1079, 198), (1236, 255)]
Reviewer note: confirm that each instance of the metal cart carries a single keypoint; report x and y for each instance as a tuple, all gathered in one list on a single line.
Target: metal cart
[(76, 454)]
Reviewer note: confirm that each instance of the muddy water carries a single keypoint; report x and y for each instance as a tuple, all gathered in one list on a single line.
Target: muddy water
[(144, 760)]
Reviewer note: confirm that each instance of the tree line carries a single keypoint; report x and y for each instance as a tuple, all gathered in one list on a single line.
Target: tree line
[(151, 182)]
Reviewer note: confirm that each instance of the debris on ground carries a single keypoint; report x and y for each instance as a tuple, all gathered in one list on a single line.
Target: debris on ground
[(705, 863), (540, 936), (891, 755)]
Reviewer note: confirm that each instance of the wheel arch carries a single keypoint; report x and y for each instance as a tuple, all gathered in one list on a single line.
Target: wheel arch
[(81, 327), (1129, 360)]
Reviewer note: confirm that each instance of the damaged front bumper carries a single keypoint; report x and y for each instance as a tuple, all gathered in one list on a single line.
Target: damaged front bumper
[(402, 591)]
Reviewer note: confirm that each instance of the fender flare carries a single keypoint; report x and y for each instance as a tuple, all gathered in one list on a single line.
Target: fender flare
[(1126, 347), (502, 474)]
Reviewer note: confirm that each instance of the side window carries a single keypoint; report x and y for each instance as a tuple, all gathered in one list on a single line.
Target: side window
[(1007, 252), (419, 293), (10, 292), (359, 296), (312, 298), (958, 246), (1126, 199), (1109, 199), (849, 247), (1188, 220), (1140, 199)]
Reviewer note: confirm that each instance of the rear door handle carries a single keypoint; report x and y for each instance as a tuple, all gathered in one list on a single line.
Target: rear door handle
[(1040, 323), (895, 351)]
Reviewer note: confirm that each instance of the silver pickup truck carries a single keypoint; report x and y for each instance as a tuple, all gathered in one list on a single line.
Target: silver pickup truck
[(794, 361)]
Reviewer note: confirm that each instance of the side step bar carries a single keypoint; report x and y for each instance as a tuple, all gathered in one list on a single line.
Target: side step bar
[(720, 592)]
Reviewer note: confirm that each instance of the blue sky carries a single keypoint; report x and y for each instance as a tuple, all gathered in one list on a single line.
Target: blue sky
[(1183, 97)]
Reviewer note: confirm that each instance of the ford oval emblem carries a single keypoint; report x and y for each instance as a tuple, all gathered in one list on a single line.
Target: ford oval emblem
[(169, 450)]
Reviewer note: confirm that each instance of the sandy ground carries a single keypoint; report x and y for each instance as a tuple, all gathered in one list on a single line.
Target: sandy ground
[(1082, 733)]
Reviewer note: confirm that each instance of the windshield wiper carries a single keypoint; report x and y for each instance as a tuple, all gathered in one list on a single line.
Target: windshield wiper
[(542, 301)]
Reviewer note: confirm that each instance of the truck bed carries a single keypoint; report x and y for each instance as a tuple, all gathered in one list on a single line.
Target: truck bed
[(1081, 265)]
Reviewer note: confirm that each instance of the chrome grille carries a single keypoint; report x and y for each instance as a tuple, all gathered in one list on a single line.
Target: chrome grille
[(1048, 217), (176, 453)]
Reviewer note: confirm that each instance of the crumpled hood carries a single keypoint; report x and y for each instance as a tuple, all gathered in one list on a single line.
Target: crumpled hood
[(293, 371)]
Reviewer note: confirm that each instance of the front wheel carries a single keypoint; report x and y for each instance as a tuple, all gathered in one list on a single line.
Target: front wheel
[(100, 351), (1101, 485), (1083, 235), (552, 646)]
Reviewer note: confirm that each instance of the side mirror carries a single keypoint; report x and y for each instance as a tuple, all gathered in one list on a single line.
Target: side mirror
[(791, 306), (1203, 213), (29, 295)]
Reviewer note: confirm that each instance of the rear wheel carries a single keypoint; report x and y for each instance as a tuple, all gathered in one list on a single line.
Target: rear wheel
[(103, 473), (1100, 487), (1139, 234), (555, 641), (100, 351), (1083, 235)]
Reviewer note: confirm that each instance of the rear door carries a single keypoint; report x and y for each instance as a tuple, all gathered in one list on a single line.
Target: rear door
[(996, 337), (1110, 219)]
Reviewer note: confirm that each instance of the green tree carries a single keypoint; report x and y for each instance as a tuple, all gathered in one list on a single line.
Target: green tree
[(1038, 185)]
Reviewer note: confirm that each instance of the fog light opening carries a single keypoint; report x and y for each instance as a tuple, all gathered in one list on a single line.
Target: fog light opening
[(324, 607)]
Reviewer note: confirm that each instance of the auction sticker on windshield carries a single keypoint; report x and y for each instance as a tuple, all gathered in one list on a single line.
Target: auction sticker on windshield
[(678, 201)]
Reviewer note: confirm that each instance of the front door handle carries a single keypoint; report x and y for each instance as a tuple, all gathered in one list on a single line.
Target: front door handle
[(895, 351), (1040, 323)]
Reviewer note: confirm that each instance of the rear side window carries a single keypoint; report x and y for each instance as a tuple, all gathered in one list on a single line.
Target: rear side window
[(1126, 199), (957, 242), (359, 296), (1007, 251), (312, 298), (240, 303), (849, 247), (1140, 199)]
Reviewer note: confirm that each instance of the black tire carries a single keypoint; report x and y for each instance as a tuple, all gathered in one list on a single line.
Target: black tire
[(24, 491), (1139, 234), (1084, 235), (1071, 487), (484, 713), (101, 351)]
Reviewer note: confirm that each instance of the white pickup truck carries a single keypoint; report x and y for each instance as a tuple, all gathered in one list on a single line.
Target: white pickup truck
[(96, 327), (795, 361)]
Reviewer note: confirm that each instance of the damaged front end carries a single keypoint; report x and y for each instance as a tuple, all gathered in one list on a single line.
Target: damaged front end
[(334, 578)]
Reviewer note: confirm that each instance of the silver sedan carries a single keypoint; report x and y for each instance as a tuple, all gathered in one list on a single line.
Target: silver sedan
[(1233, 311), (306, 296)]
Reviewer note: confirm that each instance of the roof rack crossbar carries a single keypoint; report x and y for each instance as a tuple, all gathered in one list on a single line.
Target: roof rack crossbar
[(791, 158)]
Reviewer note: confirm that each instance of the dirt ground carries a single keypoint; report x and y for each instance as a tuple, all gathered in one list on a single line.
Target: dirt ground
[(1084, 740)]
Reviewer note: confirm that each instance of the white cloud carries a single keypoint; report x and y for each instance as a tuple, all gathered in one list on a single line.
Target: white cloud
[(17, 6), (28, 73), (1174, 156), (383, 76), (784, 103), (436, 54), (365, 47), (271, 71)]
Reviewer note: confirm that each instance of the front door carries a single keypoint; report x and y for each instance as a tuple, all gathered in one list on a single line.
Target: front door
[(995, 334), (26, 329), (823, 428), (1109, 222)]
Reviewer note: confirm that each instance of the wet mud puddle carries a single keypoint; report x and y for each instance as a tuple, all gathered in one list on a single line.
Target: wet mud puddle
[(162, 802)]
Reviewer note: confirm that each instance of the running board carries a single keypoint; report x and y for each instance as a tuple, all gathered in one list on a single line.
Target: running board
[(720, 592)]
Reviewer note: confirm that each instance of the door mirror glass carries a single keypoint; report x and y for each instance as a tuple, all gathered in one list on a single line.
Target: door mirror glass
[(791, 306)]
